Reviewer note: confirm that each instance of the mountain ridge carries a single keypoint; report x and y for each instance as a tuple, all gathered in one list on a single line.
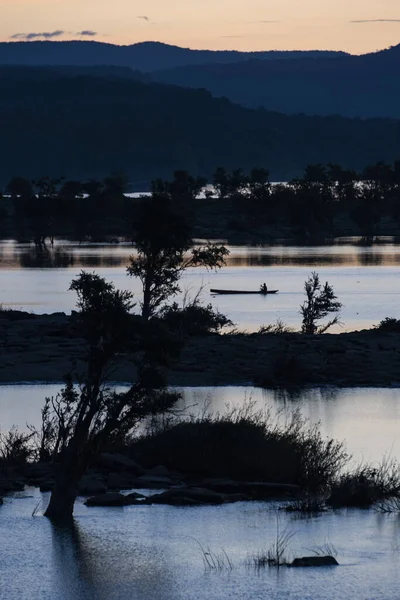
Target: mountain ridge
[(352, 86), (144, 56)]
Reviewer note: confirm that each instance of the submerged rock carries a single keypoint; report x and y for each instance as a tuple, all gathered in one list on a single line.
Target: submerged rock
[(314, 561), (118, 462), (46, 486), (114, 499), (154, 481), (253, 490), (109, 499), (90, 484), (186, 497)]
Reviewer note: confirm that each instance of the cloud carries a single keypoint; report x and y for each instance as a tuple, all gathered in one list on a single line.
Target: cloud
[(87, 33), (47, 35), (144, 18), (269, 21), (376, 21), (232, 36)]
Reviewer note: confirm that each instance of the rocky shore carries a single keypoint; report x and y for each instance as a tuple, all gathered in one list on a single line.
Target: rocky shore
[(43, 348), (112, 473)]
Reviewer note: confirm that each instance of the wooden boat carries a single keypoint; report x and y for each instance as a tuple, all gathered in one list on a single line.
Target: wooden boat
[(214, 291)]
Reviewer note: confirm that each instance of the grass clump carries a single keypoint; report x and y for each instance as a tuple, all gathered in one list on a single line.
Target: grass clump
[(367, 485), (215, 561), (307, 505), (277, 554), (245, 445), (277, 328)]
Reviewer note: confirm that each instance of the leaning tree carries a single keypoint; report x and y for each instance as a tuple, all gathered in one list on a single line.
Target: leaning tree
[(81, 420)]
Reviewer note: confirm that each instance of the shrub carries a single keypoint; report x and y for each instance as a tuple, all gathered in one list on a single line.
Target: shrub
[(389, 324), (15, 447), (245, 445), (193, 319), (320, 302), (306, 505), (367, 485)]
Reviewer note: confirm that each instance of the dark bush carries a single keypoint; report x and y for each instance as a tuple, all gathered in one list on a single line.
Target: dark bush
[(193, 319), (245, 447), (390, 325), (16, 448), (366, 485)]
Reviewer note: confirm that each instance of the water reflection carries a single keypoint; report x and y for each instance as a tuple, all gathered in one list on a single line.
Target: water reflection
[(44, 258), (83, 567), (68, 254), (152, 553), (290, 396), (72, 569)]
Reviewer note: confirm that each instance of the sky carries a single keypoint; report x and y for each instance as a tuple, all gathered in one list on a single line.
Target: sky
[(357, 26)]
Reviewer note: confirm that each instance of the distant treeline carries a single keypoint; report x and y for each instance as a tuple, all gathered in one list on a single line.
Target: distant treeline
[(85, 126), (326, 200)]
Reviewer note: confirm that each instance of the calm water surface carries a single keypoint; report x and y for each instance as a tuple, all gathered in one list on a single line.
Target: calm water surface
[(367, 419), (153, 553), (366, 279)]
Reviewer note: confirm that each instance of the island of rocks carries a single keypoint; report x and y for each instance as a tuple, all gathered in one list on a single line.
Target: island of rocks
[(43, 348)]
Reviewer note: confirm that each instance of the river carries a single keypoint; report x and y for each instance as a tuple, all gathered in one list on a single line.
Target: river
[(155, 552), (365, 278)]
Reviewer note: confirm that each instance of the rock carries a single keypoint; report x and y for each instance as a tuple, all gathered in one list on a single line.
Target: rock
[(154, 482), (186, 497), (90, 485), (108, 499), (121, 481), (314, 561), (135, 498), (228, 498), (39, 470), (118, 462), (46, 486), (255, 490), (11, 485), (159, 471)]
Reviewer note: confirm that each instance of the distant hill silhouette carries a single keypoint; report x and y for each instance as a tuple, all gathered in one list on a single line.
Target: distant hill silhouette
[(145, 56), (86, 126), (352, 86), (17, 73)]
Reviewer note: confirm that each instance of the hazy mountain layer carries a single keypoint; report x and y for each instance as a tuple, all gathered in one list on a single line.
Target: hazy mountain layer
[(86, 126)]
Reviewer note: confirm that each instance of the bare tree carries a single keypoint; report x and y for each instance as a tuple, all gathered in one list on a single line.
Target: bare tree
[(320, 302)]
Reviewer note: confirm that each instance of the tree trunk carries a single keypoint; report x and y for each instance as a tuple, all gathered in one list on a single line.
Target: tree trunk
[(62, 500), (65, 491), (146, 301)]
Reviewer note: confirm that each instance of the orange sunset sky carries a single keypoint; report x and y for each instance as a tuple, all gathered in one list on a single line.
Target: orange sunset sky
[(356, 26)]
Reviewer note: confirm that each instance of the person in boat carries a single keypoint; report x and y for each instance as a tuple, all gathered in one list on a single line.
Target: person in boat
[(263, 288)]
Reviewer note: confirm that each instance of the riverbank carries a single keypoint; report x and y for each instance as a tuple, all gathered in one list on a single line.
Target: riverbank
[(43, 348)]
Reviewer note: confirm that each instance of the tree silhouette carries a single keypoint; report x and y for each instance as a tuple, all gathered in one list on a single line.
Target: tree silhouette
[(79, 422), (163, 239), (320, 302)]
